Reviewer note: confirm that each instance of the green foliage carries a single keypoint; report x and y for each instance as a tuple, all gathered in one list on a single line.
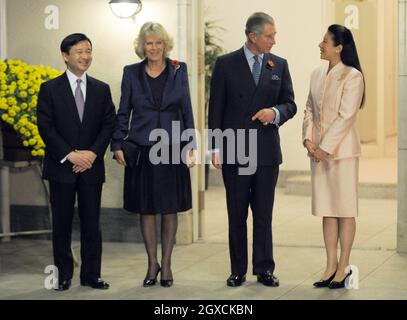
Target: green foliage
[(213, 49)]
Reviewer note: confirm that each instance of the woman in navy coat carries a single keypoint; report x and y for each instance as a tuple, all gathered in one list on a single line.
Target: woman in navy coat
[(155, 110)]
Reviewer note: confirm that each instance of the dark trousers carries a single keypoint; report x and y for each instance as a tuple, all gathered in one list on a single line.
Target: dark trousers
[(256, 190), (63, 202)]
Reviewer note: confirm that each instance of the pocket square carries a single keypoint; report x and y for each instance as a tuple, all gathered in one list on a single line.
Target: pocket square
[(275, 77)]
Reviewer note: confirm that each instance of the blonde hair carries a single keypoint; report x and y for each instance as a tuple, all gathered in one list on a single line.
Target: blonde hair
[(152, 29)]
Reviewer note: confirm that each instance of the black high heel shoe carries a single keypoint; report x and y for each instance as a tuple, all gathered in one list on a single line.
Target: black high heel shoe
[(166, 283), (341, 284), (324, 283), (151, 282)]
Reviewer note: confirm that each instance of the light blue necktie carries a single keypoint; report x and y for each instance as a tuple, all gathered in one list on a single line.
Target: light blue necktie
[(256, 70)]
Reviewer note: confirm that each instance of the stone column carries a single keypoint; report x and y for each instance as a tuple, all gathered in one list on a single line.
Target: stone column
[(4, 171), (402, 130), (188, 50)]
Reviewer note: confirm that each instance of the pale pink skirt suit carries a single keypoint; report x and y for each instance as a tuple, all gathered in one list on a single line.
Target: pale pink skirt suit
[(330, 122)]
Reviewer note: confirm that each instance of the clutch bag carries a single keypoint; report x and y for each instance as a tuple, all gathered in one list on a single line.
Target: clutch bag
[(132, 153)]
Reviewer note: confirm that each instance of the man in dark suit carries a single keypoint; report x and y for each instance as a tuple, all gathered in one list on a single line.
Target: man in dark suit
[(76, 120), (251, 89)]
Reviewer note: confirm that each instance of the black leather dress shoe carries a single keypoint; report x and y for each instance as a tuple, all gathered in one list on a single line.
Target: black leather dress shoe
[(99, 284), (235, 280), (341, 284), (64, 285), (268, 279), (324, 283)]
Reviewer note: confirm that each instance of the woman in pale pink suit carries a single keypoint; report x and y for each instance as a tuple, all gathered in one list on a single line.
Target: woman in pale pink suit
[(331, 138)]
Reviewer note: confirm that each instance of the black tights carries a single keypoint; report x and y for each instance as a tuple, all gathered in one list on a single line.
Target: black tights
[(169, 224)]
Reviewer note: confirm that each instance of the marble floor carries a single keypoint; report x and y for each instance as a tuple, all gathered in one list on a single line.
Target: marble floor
[(200, 269)]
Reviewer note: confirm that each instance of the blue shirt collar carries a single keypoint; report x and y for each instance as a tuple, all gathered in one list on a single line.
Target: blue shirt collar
[(249, 55)]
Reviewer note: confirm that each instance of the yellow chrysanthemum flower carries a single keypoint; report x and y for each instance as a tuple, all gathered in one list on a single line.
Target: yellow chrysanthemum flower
[(19, 87)]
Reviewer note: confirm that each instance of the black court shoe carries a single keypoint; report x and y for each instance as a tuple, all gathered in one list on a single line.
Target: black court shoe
[(151, 282), (341, 284), (324, 283), (166, 283)]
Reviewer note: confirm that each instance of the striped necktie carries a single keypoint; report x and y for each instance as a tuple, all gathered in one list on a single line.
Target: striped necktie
[(256, 70)]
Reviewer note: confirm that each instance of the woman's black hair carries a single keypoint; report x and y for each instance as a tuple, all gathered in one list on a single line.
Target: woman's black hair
[(349, 55)]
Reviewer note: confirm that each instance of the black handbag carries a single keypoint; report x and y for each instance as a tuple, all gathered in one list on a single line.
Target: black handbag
[(132, 153)]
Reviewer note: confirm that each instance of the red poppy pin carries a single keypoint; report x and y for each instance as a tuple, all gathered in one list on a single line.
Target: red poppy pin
[(176, 65), (270, 64)]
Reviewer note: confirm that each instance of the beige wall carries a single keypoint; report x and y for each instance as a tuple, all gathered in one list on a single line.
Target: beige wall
[(28, 39), (376, 39), (391, 53), (300, 28), (367, 41)]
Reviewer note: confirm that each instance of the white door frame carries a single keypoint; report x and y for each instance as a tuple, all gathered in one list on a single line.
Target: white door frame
[(190, 48)]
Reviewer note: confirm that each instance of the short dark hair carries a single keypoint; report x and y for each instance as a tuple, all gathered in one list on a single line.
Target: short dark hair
[(72, 40)]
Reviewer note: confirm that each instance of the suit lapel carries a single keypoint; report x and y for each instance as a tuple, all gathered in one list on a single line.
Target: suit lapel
[(263, 73), (144, 82), (90, 94), (67, 95), (244, 70), (263, 84), (169, 85)]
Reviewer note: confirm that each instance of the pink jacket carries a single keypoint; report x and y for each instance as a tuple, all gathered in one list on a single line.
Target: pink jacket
[(331, 110)]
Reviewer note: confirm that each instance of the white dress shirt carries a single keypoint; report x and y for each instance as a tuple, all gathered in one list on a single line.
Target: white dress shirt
[(72, 82)]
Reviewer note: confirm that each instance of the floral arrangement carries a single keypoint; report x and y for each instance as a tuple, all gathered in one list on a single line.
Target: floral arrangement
[(19, 87)]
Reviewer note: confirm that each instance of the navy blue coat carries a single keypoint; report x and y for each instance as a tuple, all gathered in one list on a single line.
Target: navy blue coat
[(235, 99), (138, 108)]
